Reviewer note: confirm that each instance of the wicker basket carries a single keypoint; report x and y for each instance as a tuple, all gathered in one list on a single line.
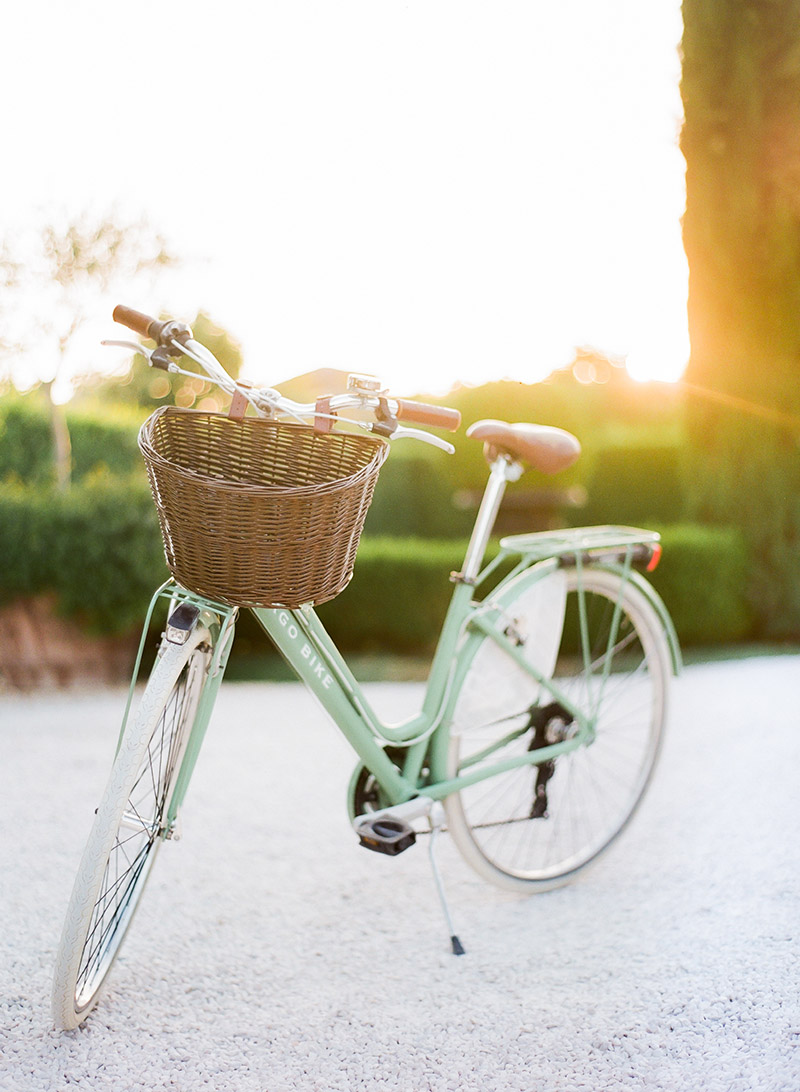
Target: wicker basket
[(258, 513)]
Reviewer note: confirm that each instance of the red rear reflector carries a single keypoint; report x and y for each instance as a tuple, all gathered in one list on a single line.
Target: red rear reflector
[(655, 558)]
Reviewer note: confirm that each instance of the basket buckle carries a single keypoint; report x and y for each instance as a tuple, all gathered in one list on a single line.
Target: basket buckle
[(239, 405)]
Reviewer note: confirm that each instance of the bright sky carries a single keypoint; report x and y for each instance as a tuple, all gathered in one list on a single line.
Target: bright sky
[(428, 190)]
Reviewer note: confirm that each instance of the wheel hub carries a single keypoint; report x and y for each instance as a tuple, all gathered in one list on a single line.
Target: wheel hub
[(548, 724)]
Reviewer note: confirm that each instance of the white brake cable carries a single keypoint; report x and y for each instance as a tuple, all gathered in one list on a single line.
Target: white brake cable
[(264, 399), (214, 370), (207, 361)]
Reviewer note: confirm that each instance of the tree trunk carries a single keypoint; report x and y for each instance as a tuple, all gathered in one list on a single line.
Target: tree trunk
[(62, 446), (741, 140)]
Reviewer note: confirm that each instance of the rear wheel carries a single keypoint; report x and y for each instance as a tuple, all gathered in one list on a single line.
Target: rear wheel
[(129, 827), (536, 826)]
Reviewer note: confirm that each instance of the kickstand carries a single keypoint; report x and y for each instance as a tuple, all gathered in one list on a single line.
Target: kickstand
[(436, 818)]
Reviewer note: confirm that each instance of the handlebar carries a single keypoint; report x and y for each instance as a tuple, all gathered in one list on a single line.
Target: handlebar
[(175, 339), (424, 414), (146, 326), (141, 324)]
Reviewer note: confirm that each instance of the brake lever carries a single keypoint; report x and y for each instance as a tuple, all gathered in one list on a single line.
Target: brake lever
[(401, 433), (141, 350), (156, 358)]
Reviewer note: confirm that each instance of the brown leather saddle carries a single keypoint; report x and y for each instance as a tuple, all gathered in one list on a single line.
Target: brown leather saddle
[(541, 446)]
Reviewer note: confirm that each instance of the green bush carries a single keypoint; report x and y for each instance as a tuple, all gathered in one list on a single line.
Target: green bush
[(101, 440), (704, 578), (25, 540), (399, 593), (105, 441), (398, 596), (636, 485), (96, 547), (108, 552), (26, 442), (413, 499), (747, 475)]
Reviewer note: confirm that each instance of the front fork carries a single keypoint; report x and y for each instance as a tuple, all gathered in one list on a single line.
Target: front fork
[(185, 612), (222, 642)]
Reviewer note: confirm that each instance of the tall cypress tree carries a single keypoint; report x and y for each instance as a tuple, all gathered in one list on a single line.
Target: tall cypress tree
[(741, 141)]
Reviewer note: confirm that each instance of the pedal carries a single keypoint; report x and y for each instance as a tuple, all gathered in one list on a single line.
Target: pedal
[(385, 835)]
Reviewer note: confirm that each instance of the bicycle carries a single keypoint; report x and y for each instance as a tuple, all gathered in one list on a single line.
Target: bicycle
[(546, 699)]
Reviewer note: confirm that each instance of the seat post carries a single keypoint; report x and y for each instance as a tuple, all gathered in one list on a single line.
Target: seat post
[(502, 471)]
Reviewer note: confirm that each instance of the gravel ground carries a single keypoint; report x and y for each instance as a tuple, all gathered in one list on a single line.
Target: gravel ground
[(272, 954)]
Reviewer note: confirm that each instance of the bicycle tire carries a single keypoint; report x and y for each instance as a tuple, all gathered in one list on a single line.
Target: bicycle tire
[(128, 828), (536, 827)]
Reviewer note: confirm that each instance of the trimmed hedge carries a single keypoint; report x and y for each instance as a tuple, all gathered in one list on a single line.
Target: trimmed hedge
[(638, 485), (108, 442), (97, 547), (104, 441), (398, 596), (414, 499), (400, 591), (704, 579), (26, 441)]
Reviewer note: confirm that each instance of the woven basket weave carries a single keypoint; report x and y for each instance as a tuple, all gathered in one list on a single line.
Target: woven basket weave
[(258, 513)]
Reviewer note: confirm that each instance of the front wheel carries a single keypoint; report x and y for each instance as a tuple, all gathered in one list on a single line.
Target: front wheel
[(602, 644), (129, 827)]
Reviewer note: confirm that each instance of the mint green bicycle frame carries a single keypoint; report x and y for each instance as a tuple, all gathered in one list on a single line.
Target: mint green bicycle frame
[(306, 646)]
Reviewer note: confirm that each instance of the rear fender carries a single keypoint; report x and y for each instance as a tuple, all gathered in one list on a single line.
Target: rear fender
[(502, 598), (657, 603), (508, 589)]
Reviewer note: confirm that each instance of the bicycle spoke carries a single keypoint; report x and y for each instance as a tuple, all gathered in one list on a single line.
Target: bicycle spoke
[(140, 828), (539, 823)]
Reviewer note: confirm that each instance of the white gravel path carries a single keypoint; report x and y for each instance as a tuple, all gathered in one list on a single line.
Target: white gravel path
[(272, 954)]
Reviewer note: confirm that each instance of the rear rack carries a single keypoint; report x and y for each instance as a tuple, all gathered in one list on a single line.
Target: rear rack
[(578, 540)]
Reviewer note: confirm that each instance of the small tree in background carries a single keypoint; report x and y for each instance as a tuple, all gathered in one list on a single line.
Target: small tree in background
[(52, 281)]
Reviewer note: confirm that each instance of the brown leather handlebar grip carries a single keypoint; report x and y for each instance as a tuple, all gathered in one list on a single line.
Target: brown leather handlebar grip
[(144, 325), (424, 414)]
